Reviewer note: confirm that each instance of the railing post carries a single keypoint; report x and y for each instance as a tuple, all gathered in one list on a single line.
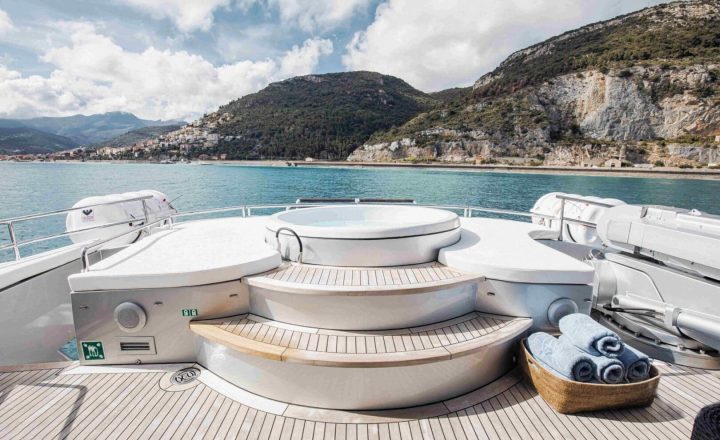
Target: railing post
[(562, 218), (85, 260), (13, 240), (145, 213)]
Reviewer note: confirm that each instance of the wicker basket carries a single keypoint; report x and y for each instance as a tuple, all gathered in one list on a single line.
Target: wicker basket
[(569, 397)]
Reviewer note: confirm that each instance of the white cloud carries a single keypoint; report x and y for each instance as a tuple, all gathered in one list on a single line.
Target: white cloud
[(313, 15), (5, 23), (92, 74), (308, 15), (439, 44), (188, 15)]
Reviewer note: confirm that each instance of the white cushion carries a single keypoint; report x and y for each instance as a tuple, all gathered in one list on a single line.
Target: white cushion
[(508, 251), (189, 254)]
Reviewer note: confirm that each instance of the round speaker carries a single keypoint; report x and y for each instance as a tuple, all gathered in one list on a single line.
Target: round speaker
[(130, 317), (559, 308)]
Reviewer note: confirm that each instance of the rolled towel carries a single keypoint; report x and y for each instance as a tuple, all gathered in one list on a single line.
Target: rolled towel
[(637, 364), (590, 336), (707, 423), (605, 369), (564, 359)]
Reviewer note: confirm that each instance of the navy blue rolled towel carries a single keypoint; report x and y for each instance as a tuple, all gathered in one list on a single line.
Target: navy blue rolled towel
[(707, 423), (606, 370), (564, 359), (637, 364), (589, 336)]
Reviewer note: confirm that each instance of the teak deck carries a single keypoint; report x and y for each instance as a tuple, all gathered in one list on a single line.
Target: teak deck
[(363, 280), (279, 341), (121, 403)]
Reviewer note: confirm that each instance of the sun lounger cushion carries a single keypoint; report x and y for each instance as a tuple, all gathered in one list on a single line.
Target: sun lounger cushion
[(189, 254)]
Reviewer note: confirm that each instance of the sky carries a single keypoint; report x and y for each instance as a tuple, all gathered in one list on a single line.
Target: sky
[(179, 59)]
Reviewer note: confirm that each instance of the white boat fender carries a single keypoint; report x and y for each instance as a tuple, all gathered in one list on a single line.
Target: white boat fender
[(127, 215)]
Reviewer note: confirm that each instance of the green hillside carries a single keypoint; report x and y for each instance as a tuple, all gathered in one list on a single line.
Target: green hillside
[(657, 48), (670, 35), (28, 140), (134, 136), (322, 116)]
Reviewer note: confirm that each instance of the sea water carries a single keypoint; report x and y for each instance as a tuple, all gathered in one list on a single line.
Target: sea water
[(36, 187)]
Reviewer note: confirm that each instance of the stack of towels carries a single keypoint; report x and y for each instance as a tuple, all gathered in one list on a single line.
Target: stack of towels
[(589, 352)]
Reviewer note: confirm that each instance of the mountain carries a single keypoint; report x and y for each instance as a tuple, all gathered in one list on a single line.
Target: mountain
[(322, 116), (138, 135), (643, 87), (28, 140), (87, 129)]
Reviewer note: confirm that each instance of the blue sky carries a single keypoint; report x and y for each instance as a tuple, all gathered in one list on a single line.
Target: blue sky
[(166, 59)]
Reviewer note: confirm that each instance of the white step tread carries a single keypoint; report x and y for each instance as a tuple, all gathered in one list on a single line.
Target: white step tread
[(461, 336), (307, 278)]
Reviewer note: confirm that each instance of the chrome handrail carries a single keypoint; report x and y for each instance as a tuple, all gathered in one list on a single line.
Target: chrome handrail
[(84, 256), (246, 211), (66, 210), (300, 245), (565, 198), (62, 234), (15, 244), (356, 200), (581, 200)]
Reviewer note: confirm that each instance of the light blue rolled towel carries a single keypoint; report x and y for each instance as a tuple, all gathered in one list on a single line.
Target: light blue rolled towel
[(591, 337), (637, 364), (564, 359), (605, 369)]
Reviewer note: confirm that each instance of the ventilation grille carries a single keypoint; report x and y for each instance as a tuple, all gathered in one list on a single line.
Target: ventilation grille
[(136, 345)]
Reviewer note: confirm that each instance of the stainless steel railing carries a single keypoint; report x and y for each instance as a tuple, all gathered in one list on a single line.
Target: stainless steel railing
[(85, 255), (563, 219), (15, 244), (247, 211)]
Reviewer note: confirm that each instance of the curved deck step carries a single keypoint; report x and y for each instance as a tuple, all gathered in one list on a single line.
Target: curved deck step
[(307, 278), (447, 340)]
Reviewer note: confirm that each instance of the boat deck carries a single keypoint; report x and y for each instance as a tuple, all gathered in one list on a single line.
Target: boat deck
[(363, 280), (279, 341), (71, 401)]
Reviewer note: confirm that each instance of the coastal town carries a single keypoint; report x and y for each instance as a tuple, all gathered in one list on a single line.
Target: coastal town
[(195, 140)]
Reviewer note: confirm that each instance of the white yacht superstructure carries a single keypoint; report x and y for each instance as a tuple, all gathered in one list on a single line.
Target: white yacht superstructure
[(341, 312)]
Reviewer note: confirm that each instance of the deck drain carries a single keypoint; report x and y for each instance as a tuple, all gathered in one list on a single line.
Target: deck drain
[(185, 376)]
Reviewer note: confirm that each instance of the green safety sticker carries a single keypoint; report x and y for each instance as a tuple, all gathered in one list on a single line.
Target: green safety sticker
[(93, 350), (189, 312)]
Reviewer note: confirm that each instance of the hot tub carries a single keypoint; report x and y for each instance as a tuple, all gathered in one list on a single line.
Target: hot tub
[(364, 235)]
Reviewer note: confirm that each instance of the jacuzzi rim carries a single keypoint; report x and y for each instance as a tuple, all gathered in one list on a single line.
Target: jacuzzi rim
[(448, 222), (399, 237)]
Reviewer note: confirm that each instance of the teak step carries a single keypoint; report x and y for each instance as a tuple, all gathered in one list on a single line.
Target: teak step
[(305, 278), (278, 341)]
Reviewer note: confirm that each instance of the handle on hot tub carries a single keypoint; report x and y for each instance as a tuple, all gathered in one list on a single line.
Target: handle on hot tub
[(277, 238)]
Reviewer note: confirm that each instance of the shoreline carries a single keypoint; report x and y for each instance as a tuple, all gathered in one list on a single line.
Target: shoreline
[(669, 173), (676, 173)]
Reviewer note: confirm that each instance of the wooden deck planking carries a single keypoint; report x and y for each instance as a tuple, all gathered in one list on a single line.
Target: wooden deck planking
[(308, 275), (44, 404), (450, 333)]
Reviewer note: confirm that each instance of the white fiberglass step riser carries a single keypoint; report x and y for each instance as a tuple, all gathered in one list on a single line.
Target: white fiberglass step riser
[(359, 369), (375, 312), (356, 388)]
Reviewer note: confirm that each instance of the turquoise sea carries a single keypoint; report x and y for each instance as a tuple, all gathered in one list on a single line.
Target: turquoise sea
[(35, 187)]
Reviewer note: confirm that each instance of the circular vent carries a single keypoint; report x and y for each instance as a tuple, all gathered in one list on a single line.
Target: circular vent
[(559, 308), (130, 317)]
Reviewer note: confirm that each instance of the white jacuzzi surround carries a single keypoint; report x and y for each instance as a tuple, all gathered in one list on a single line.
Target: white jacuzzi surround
[(364, 235)]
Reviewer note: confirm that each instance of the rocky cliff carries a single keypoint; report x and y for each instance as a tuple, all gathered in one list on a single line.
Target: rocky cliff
[(644, 88)]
